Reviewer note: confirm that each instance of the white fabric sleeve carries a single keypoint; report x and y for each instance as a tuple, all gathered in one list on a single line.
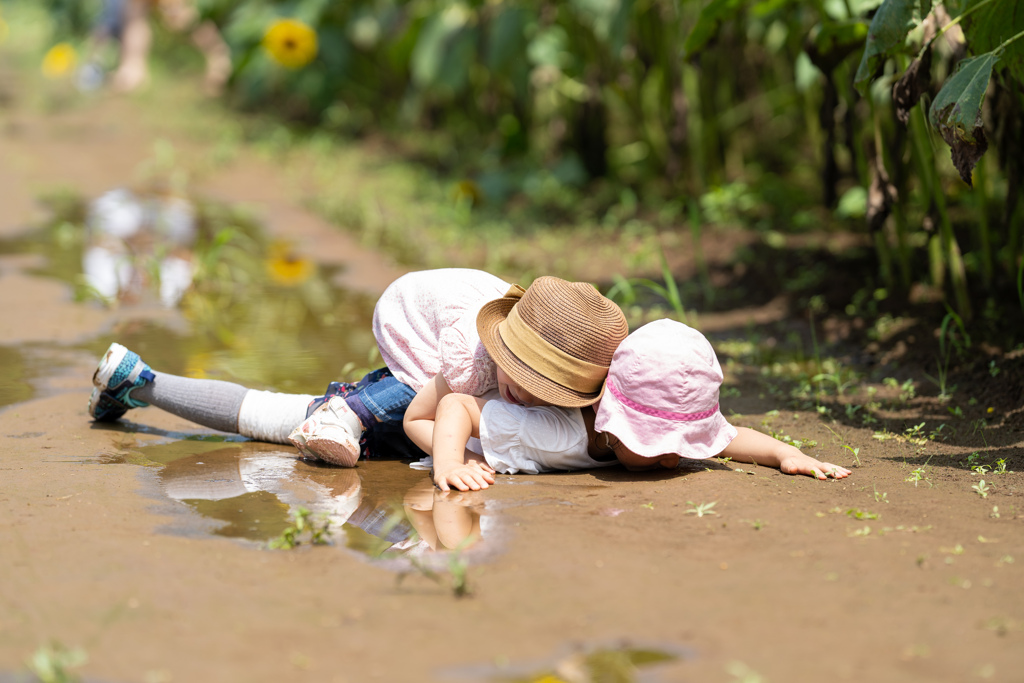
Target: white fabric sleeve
[(534, 440)]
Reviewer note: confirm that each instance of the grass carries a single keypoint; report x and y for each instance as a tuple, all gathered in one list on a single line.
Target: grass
[(701, 509), (303, 530), (53, 663)]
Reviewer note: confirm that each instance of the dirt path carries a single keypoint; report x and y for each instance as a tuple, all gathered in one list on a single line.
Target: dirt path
[(783, 582)]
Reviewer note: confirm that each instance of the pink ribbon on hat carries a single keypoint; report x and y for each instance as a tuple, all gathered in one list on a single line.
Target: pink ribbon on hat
[(664, 414)]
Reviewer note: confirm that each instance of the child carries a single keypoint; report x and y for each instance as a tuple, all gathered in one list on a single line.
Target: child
[(425, 324), (660, 404), (552, 346)]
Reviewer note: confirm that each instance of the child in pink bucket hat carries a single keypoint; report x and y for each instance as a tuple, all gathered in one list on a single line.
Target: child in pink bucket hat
[(661, 404)]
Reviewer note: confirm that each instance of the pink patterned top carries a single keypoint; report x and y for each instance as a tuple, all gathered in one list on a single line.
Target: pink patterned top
[(425, 323)]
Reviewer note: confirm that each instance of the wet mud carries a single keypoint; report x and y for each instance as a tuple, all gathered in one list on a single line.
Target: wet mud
[(147, 543)]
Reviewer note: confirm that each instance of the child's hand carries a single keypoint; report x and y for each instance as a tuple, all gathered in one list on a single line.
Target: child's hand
[(798, 463), (471, 476)]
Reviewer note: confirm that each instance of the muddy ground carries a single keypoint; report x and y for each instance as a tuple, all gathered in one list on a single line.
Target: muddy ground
[(116, 539)]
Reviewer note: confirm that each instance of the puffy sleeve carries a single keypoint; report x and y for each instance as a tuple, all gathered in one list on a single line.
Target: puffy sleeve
[(465, 363), (534, 440)]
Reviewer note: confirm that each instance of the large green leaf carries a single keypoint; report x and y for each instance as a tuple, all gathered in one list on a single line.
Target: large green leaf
[(708, 23), (886, 37), (956, 111), (987, 28)]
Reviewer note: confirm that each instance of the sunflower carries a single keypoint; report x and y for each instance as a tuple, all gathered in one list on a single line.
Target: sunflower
[(60, 60), (290, 43)]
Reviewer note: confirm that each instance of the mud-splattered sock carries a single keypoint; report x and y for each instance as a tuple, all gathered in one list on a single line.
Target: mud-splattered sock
[(269, 416), (208, 402)]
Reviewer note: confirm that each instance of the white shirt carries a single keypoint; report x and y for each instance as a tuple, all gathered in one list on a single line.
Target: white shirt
[(518, 439)]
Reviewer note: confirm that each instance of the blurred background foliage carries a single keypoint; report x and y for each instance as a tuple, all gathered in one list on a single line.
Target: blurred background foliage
[(775, 115)]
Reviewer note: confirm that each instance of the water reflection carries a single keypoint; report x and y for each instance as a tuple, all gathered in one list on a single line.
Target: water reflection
[(618, 662), (381, 509)]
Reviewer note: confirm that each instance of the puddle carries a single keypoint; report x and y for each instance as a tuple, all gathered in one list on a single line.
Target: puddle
[(621, 662), (15, 385), (251, 491), (252, 311)]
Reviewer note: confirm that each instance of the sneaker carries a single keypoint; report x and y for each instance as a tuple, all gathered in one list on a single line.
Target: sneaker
[(118, 373), (326, 435)]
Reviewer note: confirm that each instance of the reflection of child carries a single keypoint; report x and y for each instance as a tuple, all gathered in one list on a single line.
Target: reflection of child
[(661, 404), (552, 346)]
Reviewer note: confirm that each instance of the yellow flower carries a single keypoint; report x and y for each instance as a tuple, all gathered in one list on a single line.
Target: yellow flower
[(286, 267), (197, 366), (59, 61), (290, 43)]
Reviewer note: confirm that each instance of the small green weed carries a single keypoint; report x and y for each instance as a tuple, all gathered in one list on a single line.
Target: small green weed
[(856, 454), (917, 475), (992, 369), (982, 489), (796, 443), (303, 530), (701, 509), (649, 505), (1000, 467), (907, 391), (52, 663), (857, 513), (980, 469), (880, 496)]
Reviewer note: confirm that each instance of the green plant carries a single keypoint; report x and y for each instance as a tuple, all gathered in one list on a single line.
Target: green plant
[(856, 454), (1000, 467), (916, 475), (624, 291), (992, 369), (952, 337), (982, 489), (53, 663), (701, 509), (980, 469), (880, 496), (857, 513), (304, 529)]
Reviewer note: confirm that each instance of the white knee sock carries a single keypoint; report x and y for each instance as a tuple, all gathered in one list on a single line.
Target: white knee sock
[(269, 416)]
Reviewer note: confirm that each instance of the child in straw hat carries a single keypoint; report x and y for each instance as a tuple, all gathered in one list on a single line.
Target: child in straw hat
[(660, 404), (552, 346)]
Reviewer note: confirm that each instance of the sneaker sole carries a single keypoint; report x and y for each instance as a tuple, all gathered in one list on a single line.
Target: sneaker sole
[(94, 405)]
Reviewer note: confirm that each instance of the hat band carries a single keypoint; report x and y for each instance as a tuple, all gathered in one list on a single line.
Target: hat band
[(547, 359), (654, 412)]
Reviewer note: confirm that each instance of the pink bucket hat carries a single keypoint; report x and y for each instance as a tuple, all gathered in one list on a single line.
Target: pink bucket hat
[(661, 395)]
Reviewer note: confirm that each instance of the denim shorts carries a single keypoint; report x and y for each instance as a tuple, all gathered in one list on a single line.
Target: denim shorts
[(380, 401)]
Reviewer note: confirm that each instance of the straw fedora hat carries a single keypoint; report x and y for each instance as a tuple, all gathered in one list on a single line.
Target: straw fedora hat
[(556, 339)]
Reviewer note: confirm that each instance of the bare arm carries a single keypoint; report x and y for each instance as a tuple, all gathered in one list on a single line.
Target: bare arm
[(754, 447), (458, 418), (419, 416)]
